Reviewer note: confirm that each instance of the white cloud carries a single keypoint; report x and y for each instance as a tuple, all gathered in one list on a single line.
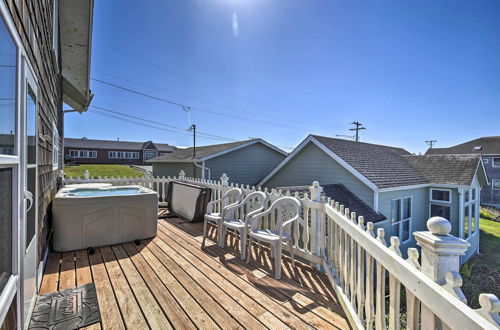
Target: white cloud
[(236, 29)]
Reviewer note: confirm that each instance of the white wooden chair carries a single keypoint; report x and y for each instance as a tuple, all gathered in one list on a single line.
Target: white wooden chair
[(230, 197), (287, 211), (252, 204)]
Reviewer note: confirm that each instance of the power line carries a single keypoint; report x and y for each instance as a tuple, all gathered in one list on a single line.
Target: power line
[(358, 127), (431, 143), (156, 122), (218, 105), (182, 106)]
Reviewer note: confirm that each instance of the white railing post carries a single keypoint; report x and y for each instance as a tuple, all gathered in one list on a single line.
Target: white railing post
[(182, 175), (86, 175), (440, 255), (316, 191)]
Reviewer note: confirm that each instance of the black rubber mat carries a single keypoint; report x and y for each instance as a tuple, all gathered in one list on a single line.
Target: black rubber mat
[(66, 309)]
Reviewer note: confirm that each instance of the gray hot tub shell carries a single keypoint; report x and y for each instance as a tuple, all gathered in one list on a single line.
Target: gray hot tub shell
[(82, 222)]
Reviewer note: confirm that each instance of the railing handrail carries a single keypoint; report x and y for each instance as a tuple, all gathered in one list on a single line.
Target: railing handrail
[(443, 304)]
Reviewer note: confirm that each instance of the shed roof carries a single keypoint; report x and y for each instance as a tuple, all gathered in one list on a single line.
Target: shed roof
[(484, 145), (457, 169), (344, 196)]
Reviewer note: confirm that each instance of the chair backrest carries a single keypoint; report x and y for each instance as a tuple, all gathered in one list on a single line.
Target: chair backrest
[(231, 196), (285, 208), (253, 201)]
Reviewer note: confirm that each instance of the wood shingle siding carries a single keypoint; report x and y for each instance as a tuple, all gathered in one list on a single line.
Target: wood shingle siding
[(313, 164), (34, 23)]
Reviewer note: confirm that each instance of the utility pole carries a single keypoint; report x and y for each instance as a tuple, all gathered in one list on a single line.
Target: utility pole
[(431, 143), (358, 127), (192, 128)]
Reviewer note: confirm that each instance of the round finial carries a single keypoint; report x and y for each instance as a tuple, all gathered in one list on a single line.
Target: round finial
[(315, 184), (439, 226)]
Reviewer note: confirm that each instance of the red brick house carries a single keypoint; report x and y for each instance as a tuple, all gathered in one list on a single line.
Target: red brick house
[(90, 151)]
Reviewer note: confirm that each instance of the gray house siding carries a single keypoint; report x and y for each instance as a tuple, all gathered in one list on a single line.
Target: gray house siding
[(490, 196), (420, 211), (248, 165), (313, 164), (173, 169)]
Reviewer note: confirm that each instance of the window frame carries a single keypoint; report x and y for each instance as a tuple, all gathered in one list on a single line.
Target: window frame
[(493, 161), (402, 220), (77, 153), (493, 185), (440, 201), (55, 147), (439, 204)]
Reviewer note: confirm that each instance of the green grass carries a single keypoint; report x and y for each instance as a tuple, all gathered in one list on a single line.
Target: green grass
[(102, 171), (482, 273)]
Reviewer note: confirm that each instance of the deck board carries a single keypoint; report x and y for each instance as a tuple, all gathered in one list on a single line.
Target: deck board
[(170, 282)]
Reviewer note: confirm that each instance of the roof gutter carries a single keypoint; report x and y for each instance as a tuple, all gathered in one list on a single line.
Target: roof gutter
[(203, 168)]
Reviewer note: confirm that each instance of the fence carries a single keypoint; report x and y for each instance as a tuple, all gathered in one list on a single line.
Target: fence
[(377, 288)]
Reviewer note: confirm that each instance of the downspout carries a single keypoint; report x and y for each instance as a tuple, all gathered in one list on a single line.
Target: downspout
[(203, 168)]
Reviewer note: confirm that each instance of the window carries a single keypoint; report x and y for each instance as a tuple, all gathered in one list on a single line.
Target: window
[(401, 213), (473, 219), (495, 161), (83, 153), (55, 147), (443, 211), (150, 154), (477, 148), (8, 83), (495, 184), (440, 195), (466, 221), (123, 155)]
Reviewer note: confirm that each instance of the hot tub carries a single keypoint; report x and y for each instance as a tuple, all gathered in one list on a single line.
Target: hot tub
[(86, 217)]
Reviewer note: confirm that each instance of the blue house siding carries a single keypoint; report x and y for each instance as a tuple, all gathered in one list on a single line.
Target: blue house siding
[(490, 196), (248, 165), (313, 164), (420, 211)]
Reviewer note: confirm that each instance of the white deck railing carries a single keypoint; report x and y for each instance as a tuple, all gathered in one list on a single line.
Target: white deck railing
[(377, 288)]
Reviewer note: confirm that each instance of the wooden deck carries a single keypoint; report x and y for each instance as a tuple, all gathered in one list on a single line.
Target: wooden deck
[(170, 282)]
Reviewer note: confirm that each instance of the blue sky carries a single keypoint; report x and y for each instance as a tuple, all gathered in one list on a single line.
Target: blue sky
[(408, 70)]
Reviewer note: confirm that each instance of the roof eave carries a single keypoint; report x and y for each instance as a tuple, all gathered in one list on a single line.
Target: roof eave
[(76, 21)]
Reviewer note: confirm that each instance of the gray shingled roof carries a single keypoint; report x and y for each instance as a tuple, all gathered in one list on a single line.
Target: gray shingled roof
[(489, 145), (382, 165), (108, 144), (445, 169), (201, 152), (341, 194)]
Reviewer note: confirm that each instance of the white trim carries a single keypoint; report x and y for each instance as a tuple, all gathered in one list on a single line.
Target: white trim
[(424, 185), (8, 294), (375, 201), (440, 201), (330, 153), (402, 220)]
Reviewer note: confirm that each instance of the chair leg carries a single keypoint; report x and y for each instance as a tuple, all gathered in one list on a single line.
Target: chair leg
[(277, 260), (243, 243), (249, 249), (290, 249), (205, 227)]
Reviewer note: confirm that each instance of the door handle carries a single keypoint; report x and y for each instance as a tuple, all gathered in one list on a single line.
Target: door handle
[(29, 196)]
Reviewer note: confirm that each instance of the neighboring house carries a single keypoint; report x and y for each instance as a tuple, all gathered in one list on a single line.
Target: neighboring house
[(489, 149), (406, 189), (244, 162), (44, 61), (89, 151)]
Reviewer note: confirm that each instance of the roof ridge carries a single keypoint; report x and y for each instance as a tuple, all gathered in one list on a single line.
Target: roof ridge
[(361, 142)]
